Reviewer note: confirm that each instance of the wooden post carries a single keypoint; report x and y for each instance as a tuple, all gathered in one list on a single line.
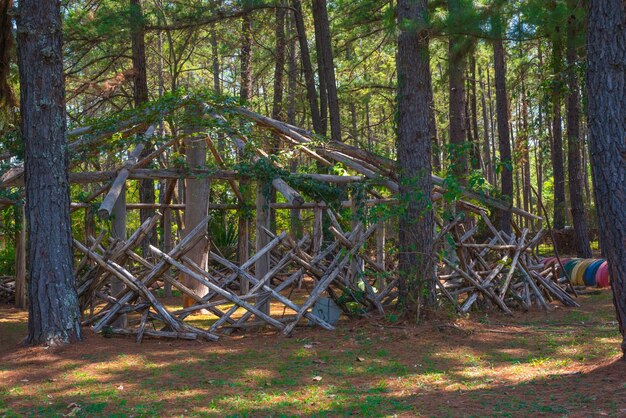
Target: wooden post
[(167, 193), (21, 288), (118, 231), (356, 265), (262, 266), (167, 242), (243, 248), (318, 232), (380, 250), (90, 224), (197, 192)]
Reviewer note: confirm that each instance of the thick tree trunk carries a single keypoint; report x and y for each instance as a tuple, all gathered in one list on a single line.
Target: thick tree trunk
[(502, 109), (575, 170), (327, 71), (54, 315), (307, 67), (606, 85), (413, 149), (196, 204)]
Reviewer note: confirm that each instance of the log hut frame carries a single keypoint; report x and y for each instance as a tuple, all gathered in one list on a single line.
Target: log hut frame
[(341, 257)]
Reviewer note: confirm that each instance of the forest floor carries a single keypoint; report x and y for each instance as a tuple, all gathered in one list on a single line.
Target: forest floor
[(563, 363)]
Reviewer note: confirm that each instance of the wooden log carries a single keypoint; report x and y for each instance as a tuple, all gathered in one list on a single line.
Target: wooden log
[(218, 290), (509, 276), (485, 290), (183, 246), (282, 299), (159, 334), (333, 271), (133, 284), (220, 163), (106, 208), (318, 233)]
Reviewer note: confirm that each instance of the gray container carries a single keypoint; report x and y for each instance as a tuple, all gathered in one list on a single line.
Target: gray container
[(327, 309)]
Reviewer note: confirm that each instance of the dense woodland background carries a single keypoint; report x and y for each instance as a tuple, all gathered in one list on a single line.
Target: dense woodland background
[(194, 45)]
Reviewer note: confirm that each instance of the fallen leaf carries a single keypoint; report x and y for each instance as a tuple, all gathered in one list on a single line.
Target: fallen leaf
[(360, 359)]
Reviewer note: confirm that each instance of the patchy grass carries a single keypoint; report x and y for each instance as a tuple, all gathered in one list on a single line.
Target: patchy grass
[(561, 363)]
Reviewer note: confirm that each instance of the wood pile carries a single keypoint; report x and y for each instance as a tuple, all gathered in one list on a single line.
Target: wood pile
[(500, 271), (7, 289)]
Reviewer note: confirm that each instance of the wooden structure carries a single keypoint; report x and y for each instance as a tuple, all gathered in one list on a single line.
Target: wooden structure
[(339, 253)]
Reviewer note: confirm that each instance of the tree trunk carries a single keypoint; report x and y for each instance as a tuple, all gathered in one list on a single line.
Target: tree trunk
[(243, 225), (416, 287), (196, 204), (21, 282), (140, 93), (54, 314), (246, 58), (327, 71), (476, 157), (493, 131), (486, 147), (528, 206), (295, 215), (502, 109), (456, 102), (606, 84), (575, 170), (305, 57), (557, 131), (277, 103), (7, 97)]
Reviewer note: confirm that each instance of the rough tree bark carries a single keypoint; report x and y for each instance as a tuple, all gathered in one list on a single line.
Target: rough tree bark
[(54, 315), (502, 111), (606, 84), (574, 166), (414, 149)]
